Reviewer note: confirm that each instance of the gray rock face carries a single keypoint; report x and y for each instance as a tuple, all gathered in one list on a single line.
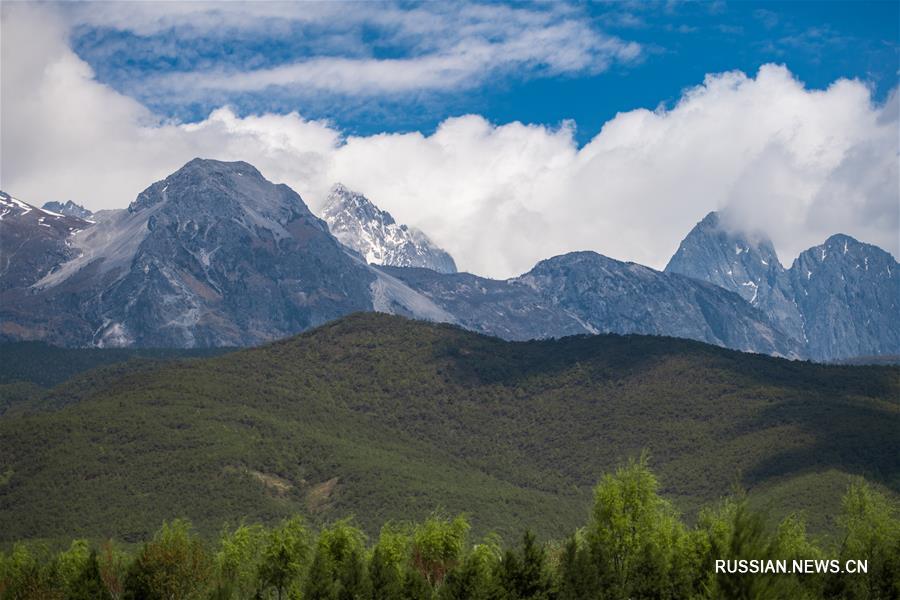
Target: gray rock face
[(360, 225), (508, 309), (610, 296), (214, 255), (585, 292), (849, 295), (744, 264), (68, 208), (33, 241), (839, 300)]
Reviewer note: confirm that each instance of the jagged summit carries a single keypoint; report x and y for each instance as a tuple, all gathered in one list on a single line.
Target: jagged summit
[(849, 294), (214, 254), (373, 233), (746, 264), (839, 299), (841, 244), (728, 243), (68, 208), (609, 295), (33, 241)]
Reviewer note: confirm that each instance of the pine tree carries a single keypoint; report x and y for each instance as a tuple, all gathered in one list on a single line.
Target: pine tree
[(416, 587), (474, 579), (387, 579), (523, 576), (89, 585), (578, 573)]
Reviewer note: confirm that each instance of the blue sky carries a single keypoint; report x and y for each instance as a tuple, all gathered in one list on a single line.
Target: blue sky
[(509, 133), (601, 59)]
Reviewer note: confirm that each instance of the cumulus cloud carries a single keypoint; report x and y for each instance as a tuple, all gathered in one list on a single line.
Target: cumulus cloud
[(800, 164)]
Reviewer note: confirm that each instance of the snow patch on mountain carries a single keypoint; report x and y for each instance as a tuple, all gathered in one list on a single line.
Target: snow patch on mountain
[(68, 208), (371, 232)]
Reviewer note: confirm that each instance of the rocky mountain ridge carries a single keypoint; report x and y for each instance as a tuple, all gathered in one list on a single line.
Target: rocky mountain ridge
[(68, 208), (216, 255), (33, 241), (839, 299), (360, 225)]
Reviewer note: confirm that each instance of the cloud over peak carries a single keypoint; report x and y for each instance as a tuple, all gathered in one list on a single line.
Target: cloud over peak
[(800, 164)]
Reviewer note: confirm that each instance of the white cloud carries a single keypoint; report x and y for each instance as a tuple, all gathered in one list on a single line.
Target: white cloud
[(799, 163), (564, 47), (444, 46)]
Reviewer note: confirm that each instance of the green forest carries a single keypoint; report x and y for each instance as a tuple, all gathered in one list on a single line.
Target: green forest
[(379, 457), (634, 545), (386, 419)]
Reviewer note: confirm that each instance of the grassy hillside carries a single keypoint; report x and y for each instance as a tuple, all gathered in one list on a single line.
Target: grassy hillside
[(387, 418)]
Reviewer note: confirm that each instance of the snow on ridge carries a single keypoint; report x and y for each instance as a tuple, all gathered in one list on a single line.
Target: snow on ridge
[(11, 201), (373, 234)]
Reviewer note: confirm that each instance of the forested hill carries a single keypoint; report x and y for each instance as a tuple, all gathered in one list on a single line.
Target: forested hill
[(387, 418), (27, 369), (45, 365)]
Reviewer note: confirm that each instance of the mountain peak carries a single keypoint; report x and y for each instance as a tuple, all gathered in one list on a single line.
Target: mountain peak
[(839, 238), (710, 221), (222, 189), (211, 165), (849, 295), (838, 298), (845, 243), (342, 199), (374, 234), (846, 248), (33, 241), (711, 248), (68, 208), (339, 190), (744, 263)]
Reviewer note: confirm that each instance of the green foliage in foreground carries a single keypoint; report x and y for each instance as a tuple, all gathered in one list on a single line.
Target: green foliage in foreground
[(634, 546)]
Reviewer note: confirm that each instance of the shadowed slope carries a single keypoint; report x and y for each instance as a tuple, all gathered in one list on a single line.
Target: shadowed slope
[(389, 418)]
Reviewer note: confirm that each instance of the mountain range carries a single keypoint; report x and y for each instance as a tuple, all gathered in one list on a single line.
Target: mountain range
[(838, 300), (216, 255)]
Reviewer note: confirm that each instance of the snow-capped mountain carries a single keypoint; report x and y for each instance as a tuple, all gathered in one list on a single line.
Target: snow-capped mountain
[(33, 241), (212, 255), (840, 299), (68, 208), (217, 255), (360, 225)]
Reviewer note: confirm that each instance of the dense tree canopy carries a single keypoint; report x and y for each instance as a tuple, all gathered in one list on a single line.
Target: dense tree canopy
[(634, 546)]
